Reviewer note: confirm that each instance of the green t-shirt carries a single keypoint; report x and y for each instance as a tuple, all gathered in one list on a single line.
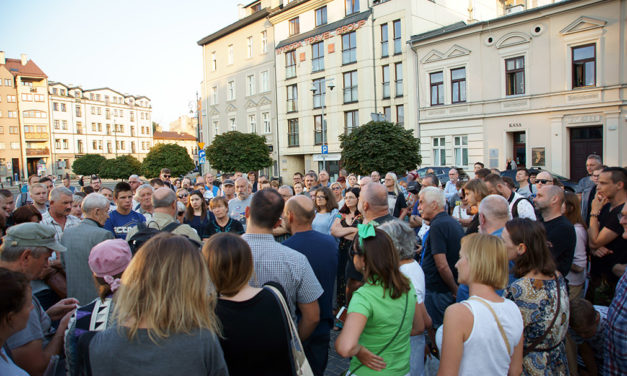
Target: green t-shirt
[(384, 317)]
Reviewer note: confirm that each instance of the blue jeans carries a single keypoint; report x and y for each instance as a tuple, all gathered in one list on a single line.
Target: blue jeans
[(417, 355), (436, 303), (317, 352)]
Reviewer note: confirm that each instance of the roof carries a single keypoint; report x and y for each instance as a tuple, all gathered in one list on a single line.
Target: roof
[(323, 29), (285, 7), (234, 26), (167, 135), (30, 69)]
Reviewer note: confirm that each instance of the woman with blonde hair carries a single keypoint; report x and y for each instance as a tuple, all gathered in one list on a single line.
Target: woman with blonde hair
[(396, 198), (483, 334), (474, 191), (166, 324)]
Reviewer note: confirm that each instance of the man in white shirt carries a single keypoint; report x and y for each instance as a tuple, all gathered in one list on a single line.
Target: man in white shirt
[(519, 206)]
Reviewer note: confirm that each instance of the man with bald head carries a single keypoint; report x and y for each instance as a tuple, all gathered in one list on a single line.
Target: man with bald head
[(559, 231), (543, 178), (321, 252), (364, 181)]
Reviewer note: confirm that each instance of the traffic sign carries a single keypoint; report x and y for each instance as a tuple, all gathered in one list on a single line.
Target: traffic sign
[(202, 160), (325, 149), (201, 153), (201, 145)]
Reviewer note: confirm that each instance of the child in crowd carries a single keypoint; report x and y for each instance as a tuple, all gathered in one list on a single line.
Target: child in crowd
[(587, 331)]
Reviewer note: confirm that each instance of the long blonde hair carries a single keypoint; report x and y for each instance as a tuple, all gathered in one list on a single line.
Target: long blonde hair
[(166, 288)]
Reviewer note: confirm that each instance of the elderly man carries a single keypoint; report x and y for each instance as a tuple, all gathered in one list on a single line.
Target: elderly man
[(593, 162), (26, 249), (321, 252), (134, 182), (450, 189), (79, 240), (228, 189), (239, 205), (278, 263), (323, 177), (559, 231), (58, 217), (165, 210), (310, 181), (143, 197), (122, 219), (375, 176), (519, 206), (441, 252)]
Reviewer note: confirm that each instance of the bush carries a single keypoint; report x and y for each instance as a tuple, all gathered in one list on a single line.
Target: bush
[(236, 151), (170, 156), (121, 167), (88, 164)]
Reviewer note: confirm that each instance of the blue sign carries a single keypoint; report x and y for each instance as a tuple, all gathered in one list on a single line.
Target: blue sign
[(202, 160), (325, 149), (201, 153)]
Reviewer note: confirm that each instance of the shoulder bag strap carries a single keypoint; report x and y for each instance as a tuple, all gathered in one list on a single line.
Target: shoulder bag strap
[(498, 322), (286, 310), (538, 340)]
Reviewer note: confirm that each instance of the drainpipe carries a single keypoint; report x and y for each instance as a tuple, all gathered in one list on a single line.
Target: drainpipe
[(374, 67), (276, 105)]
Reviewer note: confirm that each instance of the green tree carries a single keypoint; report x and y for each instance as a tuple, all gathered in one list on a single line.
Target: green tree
[(170, 156), (88, 164), (121, 167), (236, 151), (380, 146)]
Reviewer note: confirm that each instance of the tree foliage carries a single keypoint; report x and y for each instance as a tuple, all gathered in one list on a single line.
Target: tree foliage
[(380, 146), (121, 167), (236, 151), (170, 156), (88, 164)]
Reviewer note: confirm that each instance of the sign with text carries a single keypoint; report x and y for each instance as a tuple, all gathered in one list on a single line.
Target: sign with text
[(322, 36)]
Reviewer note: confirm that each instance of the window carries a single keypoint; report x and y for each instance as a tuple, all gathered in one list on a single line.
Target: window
[(55, 106), (515, 76), (292, 98), (39, 97), (8, 82), (216, 128), (290, 64), (15, 145), (64, 125), (317, 59), (233, 124), (458, 85), (319, 136), (387, 113), (230, 90), (57, 143), (214, 96), (400, 114), (398, 48), (11, 99), (398, 79), (252, 123), (78, 111), (33, 114), (437, 88), (321, 16), (57, 124), (214, 62), (250, 84), (230, 54), (384, 41), (2, 146), (349, 48), (351, 121), (264, 42), (294, 26), (350, 87), (292, 132), (265, 118), (13, 130), (12, 114), (439, 153), (352, 6), (264, 81), (319, 92), (584, 66), (27, 97), (249, 47), (460, 150), (386, 81)]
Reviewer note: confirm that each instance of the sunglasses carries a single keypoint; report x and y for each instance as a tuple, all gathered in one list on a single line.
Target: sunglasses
[(166, 176), (542, 181), (182, 196), (336, 188)]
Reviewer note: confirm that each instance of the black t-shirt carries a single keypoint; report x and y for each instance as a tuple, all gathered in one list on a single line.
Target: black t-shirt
[(445, 235), (231, 226), (351, 272), (254, 336), (561, 234), (400, 203), (609, 219)]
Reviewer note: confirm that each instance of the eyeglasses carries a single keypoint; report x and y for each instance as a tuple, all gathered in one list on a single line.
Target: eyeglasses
[(337, 188), (542, 181), (321, 198), (181, 213), (182, 196), (166, 176)]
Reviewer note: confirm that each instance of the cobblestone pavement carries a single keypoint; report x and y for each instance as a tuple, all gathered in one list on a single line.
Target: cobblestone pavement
[(336, 364)]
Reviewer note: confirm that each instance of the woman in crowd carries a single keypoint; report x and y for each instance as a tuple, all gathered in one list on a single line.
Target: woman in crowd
[(182, 195), (475, 191), (298, 188), (404, 239), (252, 179), (177, 184), (326, 210), (250, 316), (577, 275), (186, 183), (383, 313), (351, 181), (221, 222), (461, 212), (197, 215), (77, 200), (107, 261), (26, 213), (344, 228), (482, 335), (336, 189), (165, 316), (541, 295), (396, 198), (15, 307)]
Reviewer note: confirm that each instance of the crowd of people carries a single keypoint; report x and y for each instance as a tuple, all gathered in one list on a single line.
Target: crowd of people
[(245, 275)]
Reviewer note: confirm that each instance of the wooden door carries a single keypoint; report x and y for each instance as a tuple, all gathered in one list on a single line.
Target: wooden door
[(583, 142)]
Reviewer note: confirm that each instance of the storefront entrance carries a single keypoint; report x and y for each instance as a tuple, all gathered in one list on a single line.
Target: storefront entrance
[(583, 142)]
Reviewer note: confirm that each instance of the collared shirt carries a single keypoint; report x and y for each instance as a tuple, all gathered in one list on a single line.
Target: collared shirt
[(615, 361), (71, 221), (450, 189), (275, 262)]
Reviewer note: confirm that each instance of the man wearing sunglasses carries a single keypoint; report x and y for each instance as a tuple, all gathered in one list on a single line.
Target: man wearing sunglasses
[(165, 176)]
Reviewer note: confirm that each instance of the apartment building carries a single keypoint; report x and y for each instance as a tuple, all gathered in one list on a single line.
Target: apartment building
[(10, 146), (543, 86), (238, 88), (97, 121)]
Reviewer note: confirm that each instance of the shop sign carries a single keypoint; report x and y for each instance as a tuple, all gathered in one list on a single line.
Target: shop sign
[(322, 36)]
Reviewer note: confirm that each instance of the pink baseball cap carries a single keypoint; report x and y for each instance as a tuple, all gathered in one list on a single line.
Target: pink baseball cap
[(109, 257)]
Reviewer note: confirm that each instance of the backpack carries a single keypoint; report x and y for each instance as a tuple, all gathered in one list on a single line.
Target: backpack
[(515, 207), (144, 233)]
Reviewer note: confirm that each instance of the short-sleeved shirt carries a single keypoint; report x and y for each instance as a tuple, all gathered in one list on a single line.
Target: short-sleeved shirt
[(414, 272), (445, 235), (38, 327), (609, 219), (237, 209), (275, 262), (120, 224), (70, 221), (399, 203), (561, 234), (231, 226), (384, 316)]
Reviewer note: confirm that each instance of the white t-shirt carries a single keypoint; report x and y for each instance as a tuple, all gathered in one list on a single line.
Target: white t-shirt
[(414, 272), (8, 368)]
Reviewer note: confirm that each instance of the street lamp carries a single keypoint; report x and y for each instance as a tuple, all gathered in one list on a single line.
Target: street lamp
[(314, 90)]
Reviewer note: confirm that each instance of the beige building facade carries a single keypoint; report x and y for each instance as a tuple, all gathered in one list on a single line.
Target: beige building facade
[(186, 140), (10, 149), (545, 86)]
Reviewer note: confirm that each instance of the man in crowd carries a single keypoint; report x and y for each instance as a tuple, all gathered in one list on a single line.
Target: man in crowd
[(26, 249), (415, 220), (321, 252), (210, 187), (323, 177), (589, 194), (519, 206), (67, 184), (228, 189), (122, 219), (478, 166), (239, 205), (364, 181), (79, 240), (310, 181), (375, 176), (38, 193), (297, 178), (156, 183), (450, 189), (96, 183), (278, 263), (593, 162), (165, 176), (9, 206), (441, 252), (525, 189), (143, 197), (58, 217), (286, 192), (24, 197), (482, 173), (543, 178), (134, 182), (48, 183), (559, 231)]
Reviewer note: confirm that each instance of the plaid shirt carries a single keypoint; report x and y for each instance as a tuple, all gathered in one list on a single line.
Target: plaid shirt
[(71, 221), (275, 262), (615, 359)]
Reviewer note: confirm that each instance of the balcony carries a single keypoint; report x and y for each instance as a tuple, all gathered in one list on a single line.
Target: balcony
[(36, 135), (32, 152)]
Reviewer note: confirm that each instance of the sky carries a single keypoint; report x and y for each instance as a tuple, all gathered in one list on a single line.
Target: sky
[(138, 47)]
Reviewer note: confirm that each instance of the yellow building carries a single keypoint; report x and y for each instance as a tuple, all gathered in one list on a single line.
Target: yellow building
[(185, 140)]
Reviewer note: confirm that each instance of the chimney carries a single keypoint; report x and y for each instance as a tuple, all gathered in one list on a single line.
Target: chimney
[(241, 12), (2, 59), (24, 58)]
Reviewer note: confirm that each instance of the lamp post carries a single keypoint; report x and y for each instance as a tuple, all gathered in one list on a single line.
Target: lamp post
[(314, 90)]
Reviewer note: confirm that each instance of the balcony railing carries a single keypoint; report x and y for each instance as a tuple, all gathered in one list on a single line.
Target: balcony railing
[(36, 135)]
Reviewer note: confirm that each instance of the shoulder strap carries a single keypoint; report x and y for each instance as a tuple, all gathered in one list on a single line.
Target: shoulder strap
[(498, 322), (539, 340), (23, 198), (171, 227)]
